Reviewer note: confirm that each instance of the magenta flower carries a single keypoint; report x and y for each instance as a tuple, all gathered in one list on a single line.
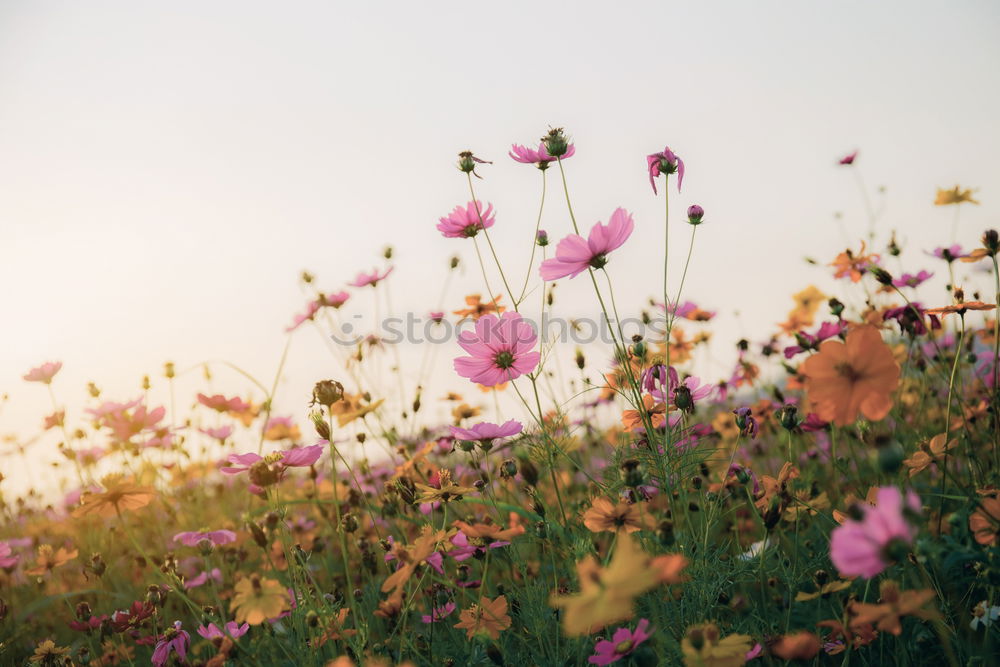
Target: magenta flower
[(466, 222), (436, 316), (865, 548), (849, 158), (486, 432), (911, 280), (622, 644), (540, 158), (574, 255), (500, 349), (665, 163), (373, 278), (43, 373), (174, 639), (297, 457), (334, 299), (212, 631), (216, 537), (438, 613)]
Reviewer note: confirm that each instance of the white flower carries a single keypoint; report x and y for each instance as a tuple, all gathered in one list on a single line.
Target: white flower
[(983, 615), (756, 548)]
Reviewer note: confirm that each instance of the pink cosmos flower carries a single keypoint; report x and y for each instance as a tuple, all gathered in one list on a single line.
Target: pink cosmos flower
[(865, 548), (487, 432), (438, 613), (212, 631), (220, 403), (465, 222), (221, 433), (665, 163), (7, 556), (689, 310), (500, 349), (373, 278), (463, 550), (683, 394), (43, 373), (574, 255), (299, 457), (127, 420), (216, 537), (55, 420), (436, 316), (174, 639), (540, 158), (622, 643), (849, 158), (215, 574)]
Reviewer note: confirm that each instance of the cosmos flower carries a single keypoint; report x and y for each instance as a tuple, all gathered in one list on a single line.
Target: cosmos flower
[(621, 645), (216, 537), (487, 432), (605, 516), (912, 280), (956, 195), (43, 373), (857, 376), (467, 221), (119, 495), (257, 600), (665, 162), (500, 349), (865, 548), (374, 278), (848, 159), (220, 403), (438, 613), (174, 640), (540, 158), (574, 254), (489, 617), (212, 631), (300, 457)]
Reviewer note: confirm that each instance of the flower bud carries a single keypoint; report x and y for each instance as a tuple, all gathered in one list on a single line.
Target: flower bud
[(327, 392), (991, 241), (556, 142), (695, 214), (789, 417), (836, 307), (881, 275), (508, 468), (542, 238)]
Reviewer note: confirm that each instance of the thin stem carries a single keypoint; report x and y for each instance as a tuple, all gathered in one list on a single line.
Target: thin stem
[(534, 241), (496, 259)]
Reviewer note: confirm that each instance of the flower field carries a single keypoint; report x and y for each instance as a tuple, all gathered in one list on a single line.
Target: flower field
[(832, 499)]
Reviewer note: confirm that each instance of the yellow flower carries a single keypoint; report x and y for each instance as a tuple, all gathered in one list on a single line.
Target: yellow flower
[(489, 617), (256, 600), (606, 594), (954, 196), (702, 647), (48, 653)]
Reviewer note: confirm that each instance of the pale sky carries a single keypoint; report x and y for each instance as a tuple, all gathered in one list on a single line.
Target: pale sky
[(168, 169)]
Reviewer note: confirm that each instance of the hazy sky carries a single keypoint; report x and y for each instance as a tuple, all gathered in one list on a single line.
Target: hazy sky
[(167, 169)]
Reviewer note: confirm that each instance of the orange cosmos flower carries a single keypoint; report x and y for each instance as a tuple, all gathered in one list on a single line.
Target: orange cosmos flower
[(928, 453), (477, 308), (632, 419), (853, 266), (604, 516), (489, 617), (857, 376), (49, 559), (797, 646), (118, 495), (985, 521), (490, 531), (893, 605), (960, 308)]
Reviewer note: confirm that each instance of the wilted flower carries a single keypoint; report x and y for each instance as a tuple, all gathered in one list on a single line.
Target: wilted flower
[(665, 162)]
